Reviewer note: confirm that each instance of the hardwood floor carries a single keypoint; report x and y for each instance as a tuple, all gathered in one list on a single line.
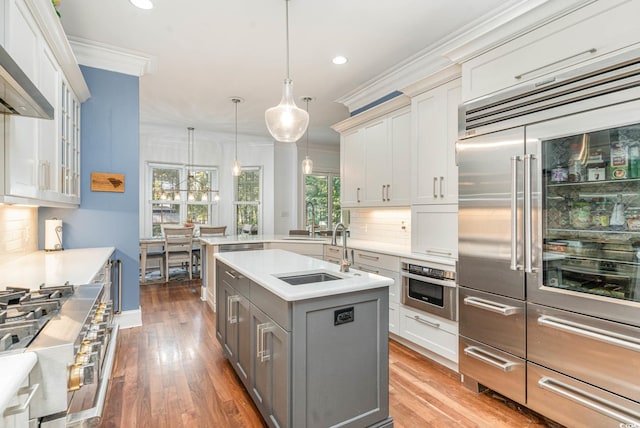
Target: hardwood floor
[(171, 373)]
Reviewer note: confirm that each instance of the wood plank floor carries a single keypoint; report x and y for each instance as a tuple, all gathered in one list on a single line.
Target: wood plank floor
[(171, 373)]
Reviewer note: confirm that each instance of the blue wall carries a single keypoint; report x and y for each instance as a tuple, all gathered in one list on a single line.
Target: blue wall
[(110, 143)]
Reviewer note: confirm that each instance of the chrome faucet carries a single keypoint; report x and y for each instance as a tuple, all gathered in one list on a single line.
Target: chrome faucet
[(345, 262), (313, 218)]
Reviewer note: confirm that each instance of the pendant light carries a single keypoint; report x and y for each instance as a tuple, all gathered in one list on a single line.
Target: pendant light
[(286, 121), (236, 169), (307, 164)]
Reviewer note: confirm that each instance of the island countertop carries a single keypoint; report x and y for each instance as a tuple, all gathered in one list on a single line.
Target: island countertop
[(265, 266)]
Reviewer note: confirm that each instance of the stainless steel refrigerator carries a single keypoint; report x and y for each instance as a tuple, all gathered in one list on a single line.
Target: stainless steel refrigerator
[(549, 244)]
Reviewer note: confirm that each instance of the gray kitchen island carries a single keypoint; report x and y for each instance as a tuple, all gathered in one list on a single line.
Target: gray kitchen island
[(309, 343)]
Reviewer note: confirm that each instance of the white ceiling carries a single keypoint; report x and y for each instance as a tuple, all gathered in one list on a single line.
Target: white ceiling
[(206, 51)]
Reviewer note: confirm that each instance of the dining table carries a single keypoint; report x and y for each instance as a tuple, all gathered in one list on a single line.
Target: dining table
[(157, 241)]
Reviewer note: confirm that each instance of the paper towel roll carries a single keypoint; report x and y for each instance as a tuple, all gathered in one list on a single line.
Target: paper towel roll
[(53, 234)]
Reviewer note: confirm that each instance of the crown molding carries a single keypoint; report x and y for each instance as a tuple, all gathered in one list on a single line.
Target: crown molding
[(373, 113), (112, 58), (513, 19), (45, 16), (433, 80)]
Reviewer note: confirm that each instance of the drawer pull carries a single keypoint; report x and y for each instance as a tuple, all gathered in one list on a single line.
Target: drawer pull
[(424, 321), (439, 253), (366, 256), (20, 408), (591, 401), (589, 51), (364, 269), (488, 305), (230, 274), (489, 358), (590, 332), (333, 250)]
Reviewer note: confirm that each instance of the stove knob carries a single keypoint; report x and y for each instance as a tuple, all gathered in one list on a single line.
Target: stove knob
[(80, 375)]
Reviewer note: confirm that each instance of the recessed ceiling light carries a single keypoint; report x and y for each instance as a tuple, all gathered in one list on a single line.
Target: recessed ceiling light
[(339, 60), (142, 4)]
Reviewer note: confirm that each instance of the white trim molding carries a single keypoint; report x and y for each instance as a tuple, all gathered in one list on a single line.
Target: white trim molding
[(511, 20), (129, 319), (112, 58), (374, 112)]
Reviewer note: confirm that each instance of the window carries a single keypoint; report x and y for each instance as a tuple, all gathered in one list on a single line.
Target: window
[(322, 200), (179, 195), (248, 199)]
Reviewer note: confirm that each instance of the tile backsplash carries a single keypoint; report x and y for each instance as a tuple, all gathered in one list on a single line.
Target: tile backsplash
[(390, 225), (18, 231)]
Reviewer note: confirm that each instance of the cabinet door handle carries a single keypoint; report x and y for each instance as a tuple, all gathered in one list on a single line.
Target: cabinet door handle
[(427, 322), (608, 337), (364, 269), (441, 193), (586, 399), (435, 182), (231, 318), (490, 358), (358, 195), (366, 256), (20, 408), (261, 331), (383, 188), (551, 64), (388, 188), (491, 306), (439, 253)]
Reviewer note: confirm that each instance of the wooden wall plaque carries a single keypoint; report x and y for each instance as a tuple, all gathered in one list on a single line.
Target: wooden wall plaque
[(107, 182)]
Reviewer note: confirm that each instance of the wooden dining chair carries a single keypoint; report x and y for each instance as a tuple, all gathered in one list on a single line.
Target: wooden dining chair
[(178, 246), (206, 230), (213, 230)]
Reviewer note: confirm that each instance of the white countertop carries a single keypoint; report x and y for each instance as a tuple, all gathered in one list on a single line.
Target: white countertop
[(380, 247), (78, 266), (14, 369), (264, 266)]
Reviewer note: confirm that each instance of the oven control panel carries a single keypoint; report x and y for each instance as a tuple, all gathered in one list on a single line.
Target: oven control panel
[(428, 272)]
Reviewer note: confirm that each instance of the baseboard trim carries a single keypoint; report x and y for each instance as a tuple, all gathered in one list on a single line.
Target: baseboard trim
[(129, 319)]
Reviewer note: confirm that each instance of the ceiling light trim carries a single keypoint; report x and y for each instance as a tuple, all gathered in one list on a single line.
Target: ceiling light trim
[(112, 58)]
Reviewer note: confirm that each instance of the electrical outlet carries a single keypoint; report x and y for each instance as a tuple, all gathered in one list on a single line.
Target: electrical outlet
[(403, 225)]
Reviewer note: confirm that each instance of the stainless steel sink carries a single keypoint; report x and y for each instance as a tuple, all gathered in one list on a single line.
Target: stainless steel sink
[(309, 278)]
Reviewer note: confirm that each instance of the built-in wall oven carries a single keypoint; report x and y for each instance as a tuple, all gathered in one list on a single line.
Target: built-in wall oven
[(429, 289)]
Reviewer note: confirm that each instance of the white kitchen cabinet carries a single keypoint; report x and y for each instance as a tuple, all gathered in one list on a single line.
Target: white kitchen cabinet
[(435, 133), (375, 151), (434, 230), (587, 34), (352, 168), (436, 334), (42, 157)]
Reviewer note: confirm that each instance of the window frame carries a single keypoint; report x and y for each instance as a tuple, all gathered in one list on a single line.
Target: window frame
[(257, 203), (331, 175), (213, 205)]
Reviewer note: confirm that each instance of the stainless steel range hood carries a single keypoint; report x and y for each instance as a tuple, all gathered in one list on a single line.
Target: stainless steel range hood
[(18, 95)]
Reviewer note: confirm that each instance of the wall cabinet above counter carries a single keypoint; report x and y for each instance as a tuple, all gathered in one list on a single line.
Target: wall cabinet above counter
[(42, 157), (374, 153)]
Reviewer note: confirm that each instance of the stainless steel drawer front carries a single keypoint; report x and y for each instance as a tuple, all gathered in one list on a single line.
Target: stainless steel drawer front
[(577, 404), (500, 371), (495, 320), (599, 352)]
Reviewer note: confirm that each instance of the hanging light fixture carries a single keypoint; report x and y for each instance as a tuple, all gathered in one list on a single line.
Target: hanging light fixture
[(307, 164), (193, 188), (286, 121), (236, 169)]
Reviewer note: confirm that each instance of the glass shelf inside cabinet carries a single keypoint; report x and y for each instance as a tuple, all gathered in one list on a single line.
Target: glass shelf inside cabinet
[(591, 212)]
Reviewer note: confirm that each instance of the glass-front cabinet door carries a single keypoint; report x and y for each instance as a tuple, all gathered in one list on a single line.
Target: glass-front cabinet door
[(590, 197)]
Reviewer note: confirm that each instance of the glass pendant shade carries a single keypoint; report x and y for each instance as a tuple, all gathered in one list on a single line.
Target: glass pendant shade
[(307, 166), (286, 121), (236, 169)]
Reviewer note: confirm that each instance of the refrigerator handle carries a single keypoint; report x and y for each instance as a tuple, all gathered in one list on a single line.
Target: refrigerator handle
[(514, 212), (528, 215)]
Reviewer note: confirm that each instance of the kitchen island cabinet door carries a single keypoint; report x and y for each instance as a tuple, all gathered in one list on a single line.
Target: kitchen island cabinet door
[(270, 369)]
